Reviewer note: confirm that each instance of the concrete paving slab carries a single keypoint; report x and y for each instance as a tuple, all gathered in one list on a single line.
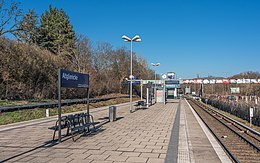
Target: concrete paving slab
[(136, 137)]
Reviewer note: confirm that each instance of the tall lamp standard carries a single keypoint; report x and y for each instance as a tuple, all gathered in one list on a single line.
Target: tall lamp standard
[(155, 65), (134, 39)]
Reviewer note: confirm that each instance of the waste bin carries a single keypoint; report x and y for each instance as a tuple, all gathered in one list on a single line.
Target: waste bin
[(112, 113)]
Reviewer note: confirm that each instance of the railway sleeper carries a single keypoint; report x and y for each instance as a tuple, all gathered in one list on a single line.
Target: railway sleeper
[(241, 131), (228, 123), (246, 159), (243, 152)]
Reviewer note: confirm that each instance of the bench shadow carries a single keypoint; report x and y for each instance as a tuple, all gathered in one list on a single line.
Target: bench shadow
[(107, 118), (119, 118), (141, 108), (103, 118)]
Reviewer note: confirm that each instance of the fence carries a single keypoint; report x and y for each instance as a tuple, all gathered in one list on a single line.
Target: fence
[(240, 110)]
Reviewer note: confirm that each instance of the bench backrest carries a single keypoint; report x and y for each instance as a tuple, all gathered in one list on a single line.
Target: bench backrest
[(74, 120)]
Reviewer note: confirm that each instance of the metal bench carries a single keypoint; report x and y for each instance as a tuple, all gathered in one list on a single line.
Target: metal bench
[(75, 123)]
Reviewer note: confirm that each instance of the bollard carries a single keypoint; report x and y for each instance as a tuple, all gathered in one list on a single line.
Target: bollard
[(112, 113), (47, 112)]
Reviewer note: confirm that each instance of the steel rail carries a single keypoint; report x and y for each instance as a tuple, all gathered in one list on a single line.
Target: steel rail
[(219, 140), (242, 137), (208, 111), (240, 124)]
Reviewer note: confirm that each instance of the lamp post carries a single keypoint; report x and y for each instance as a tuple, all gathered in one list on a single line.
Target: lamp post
[(134, 39), (155, 64)]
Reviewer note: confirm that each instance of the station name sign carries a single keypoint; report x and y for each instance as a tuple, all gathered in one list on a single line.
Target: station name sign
[(70, 79)]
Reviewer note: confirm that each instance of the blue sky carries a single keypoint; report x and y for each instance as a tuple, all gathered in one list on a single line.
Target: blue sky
[(189, 37)]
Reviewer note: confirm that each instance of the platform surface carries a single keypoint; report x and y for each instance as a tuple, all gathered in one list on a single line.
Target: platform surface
[(143, 136)]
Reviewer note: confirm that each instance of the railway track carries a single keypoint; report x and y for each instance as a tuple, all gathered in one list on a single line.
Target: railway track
[(240, 142)]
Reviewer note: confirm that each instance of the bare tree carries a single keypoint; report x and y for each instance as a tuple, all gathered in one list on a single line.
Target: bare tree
[(81, 58), (28, 28), (9, 16)]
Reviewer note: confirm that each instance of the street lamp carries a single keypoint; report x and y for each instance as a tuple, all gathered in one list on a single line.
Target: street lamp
[(134, 39), (155, 65)]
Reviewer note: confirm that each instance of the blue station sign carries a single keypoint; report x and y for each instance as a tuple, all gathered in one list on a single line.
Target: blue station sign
[(172, 82), (133, 81), (173, 86), (70, 79)]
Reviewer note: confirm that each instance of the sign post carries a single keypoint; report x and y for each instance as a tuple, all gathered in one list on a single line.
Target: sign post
[(251, 112), (59, 104), (141, 84), (88, 105), (164, 93), (69, 79)]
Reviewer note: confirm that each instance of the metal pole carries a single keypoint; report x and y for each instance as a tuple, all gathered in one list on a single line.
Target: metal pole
[(59, 103), (131, 80), (147, 97), (164, 95), (141, 90), (88, 105), (155, 97)]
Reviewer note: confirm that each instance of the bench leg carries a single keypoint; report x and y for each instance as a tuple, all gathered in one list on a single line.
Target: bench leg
[(54, 135), (72, 136), (67, 131)]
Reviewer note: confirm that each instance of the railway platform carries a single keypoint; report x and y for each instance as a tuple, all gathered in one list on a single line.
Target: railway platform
[(161, 133)]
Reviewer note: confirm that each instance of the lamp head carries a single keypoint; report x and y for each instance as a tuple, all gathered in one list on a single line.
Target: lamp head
[(136, 38), (155, 64), (126, 38)]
